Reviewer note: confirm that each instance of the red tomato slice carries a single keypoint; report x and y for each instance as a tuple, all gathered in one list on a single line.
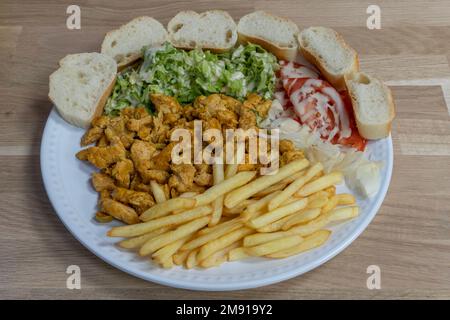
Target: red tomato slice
[(355, 140)]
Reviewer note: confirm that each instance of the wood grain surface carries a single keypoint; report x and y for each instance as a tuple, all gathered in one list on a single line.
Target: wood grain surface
[(409, 239)]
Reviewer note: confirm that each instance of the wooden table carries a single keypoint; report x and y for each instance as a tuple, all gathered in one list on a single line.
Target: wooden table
[(409, 239)]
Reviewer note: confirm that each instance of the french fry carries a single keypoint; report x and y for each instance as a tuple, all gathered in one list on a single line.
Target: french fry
[(318, 202), (277, 214), (321, 183), (331, 191), (168, 251), (136, 242), (240, 207), (237, 254), (292, 188), (274, 246), (260, 238), (145, 227), (167, 264), (275, 226), (246, 216), (222, 242), (224, 187), (345, 199), (301, 217), (310, 242), (158, 192), (331, 204), (164, 208), (273, 188), (180, 257), (293, 177), (344, 213), (263, 182), (220, 231), (261, 203), (190, 194), (231, 170), (160, 241), (219, 257), (218, 176), (219, 226), (191, 260)]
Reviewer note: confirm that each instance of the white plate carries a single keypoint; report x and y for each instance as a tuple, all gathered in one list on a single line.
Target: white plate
[(67, 183)]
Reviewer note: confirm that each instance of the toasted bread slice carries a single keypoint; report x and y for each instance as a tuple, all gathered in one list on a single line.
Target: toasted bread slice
[(125, 44), (373, 105), (328, 51), (275, 34), (82, 84), (213, 30)]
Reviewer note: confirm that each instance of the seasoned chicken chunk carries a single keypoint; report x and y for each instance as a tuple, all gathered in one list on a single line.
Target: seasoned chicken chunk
[(140, 201), (122, 172), (183, 177), (119, 211), (101, 181), (103, 157)]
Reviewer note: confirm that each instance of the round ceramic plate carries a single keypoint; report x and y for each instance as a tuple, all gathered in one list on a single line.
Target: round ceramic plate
[(68, 186)]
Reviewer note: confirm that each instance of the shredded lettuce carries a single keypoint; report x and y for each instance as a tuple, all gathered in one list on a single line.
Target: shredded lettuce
[(186, 75)]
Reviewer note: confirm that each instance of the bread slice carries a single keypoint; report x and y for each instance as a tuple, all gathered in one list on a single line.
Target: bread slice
[(82, 84), (275, 34), (213, 30), (327, 50), (373, 105), (125, 44)]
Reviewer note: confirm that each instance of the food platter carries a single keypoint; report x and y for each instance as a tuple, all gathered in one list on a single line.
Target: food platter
[(67, 182)]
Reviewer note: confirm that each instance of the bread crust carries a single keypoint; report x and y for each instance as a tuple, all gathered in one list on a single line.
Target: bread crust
[(367, 130), (282, 53), (337, 80)]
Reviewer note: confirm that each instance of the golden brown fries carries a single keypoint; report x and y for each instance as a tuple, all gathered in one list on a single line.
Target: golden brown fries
[(237, 218), (263, 182), (166, 207)]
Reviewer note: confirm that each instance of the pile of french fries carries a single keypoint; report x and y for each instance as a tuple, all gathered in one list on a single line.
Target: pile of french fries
[(242, 215)]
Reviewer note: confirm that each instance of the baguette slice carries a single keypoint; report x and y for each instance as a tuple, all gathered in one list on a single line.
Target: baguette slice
[(275, 34), (373, 105), (125, 44), (82, 84), (327, 50), (213, 30)]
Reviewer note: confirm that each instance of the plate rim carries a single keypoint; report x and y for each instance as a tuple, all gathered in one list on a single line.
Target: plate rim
[(245, 284)]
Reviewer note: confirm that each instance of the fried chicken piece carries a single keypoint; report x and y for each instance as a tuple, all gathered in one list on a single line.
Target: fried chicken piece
[(119, 211), (117, 128), (203, 179), (91, 136), (253, 107), (183, 177), (286, 145), (247, 166), (290, 156), (159, 131), (101, 182), (161, 160), (141, 152), (103, 157), (159, 176), (217, 107), (122, 172), (168, 106), (140, 201), (102, 142)]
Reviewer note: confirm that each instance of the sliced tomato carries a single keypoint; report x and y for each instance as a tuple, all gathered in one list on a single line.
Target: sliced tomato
[(355, 140)]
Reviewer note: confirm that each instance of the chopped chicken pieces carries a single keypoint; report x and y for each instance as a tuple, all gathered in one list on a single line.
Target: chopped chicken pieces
[(119, 211), (101, 181), (135, 148), (140, 201)]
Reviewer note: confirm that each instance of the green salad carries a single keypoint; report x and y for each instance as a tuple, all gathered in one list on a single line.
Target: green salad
[(189, 74)]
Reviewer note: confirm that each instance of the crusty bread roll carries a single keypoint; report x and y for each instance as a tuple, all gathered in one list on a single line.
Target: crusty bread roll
[(213, 30), (125, 44), (275, 34), (373, 105), (328, 51), (82, 84)]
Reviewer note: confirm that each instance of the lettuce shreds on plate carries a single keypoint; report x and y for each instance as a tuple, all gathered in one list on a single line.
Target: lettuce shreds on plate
[(189, 74)]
